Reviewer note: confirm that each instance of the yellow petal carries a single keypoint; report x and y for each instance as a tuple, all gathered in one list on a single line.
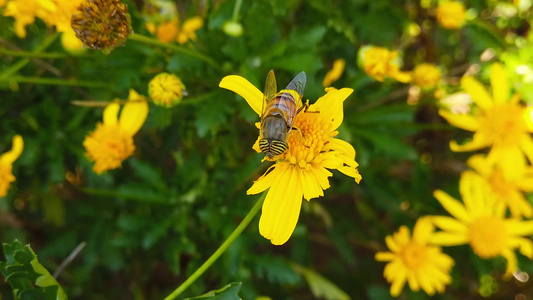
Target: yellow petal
[(454, 207), (512, 264), (111, 114), (134, 113), (343, 147), (16, 150), (413, 282), (512, 162), (330, 106), (335, 72), (526, 144), (516, 227), (423, 230), (391, 244), (466, 122), (266, 180), (281, 208), (398, 283), (384, 256), (245, 89), (404, 77), (477, 143), (479, 163), (470, 188), (192, 24), (449, 224), (477, 92), (499, 83), (310, 185), (449, 239)]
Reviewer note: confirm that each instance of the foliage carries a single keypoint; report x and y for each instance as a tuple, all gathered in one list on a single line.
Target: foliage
[(150, 224)]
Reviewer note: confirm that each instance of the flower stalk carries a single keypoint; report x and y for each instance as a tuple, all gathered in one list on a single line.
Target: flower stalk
[(233, 236)]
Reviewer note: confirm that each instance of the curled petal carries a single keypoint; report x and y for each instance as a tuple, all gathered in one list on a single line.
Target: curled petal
[(134, 113), (16, 150), (330, 106), (245, 89)]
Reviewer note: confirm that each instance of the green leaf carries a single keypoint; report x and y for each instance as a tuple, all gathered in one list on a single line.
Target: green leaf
[(320, 286), (229, 292), (28, 278)]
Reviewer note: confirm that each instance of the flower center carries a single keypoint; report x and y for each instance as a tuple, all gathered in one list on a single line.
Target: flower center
[(414, 255), (502, 125), (6, 177), (487, 236), (306, 142), (108, 146)]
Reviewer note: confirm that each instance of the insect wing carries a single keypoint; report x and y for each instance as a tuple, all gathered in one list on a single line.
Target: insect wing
[(270, 90), (298, 84)]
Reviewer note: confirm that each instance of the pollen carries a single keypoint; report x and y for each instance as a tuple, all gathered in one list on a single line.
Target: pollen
[(487, 236), (414, 256), (108, 146), (306, 139), (501, 126)]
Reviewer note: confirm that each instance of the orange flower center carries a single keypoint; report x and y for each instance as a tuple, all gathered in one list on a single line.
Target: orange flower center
[(502, 126), (414, 256), (108, 146), (306, 142), (488, 236)]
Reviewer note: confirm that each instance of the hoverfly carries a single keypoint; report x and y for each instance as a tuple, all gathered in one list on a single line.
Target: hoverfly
[(278, 112)]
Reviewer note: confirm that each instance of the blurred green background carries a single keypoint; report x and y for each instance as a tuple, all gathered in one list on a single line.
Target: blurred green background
[(148, 225)]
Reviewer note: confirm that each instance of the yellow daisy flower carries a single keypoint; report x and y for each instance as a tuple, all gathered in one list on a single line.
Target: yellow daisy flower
[(415, 260), (166, 32), (451, 14), (188, 29), (498, 122), (379, 62), (507, 188), (166, 89), (482, 224), (335, 72), (112, 141), (426, 75), (170, 31), (300, 172), (6, 164)]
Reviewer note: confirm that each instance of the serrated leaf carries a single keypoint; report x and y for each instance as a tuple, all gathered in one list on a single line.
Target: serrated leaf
[(27, 277), (229, 292), (320, 286)]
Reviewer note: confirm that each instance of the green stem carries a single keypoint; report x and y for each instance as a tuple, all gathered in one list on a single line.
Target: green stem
[(32, 54), (220, 249), (236, 10), (7, 73), (59, 81), (113, 193), (151, 41)]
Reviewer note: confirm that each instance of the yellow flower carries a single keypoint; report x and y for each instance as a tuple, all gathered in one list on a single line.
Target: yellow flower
[(335, 72), (415, 261), (379, 62), (498, 122), (507, 187), (71, 43), (166, 89), (451, 14), (112, 141), (481, 223), (302, 170), (426, 75), (189, 28), (6, 164), (166, 32)]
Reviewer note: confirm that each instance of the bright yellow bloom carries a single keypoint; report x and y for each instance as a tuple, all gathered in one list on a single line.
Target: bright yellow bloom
[(170, 31), (166, 89), (451, 14), (112, 141), (498, 122), (71, 42), (189, 28), (6, 164), (335, 72), (416, 261), (379, 62), (481, 223), (426, 75), (507, 188), (302, 170), (53, 12)]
